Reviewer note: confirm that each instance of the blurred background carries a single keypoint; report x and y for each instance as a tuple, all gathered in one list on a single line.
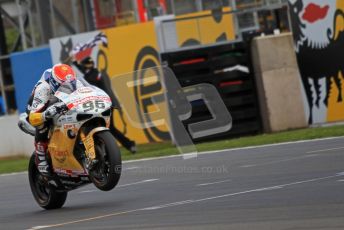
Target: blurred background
[(274, 62), (27, 24)]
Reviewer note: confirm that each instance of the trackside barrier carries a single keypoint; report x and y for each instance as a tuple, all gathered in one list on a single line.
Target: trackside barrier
[(13, 141), (228, 68), (278, 83), (27, 67)]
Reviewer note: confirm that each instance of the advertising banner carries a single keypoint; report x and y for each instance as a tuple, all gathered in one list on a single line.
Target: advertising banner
[(123, 53), (318, 30)]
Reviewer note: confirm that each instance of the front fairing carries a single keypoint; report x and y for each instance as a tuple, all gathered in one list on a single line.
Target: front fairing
[(83, 104)]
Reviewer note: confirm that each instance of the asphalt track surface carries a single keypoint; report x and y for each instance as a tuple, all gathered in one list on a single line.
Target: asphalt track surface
[(288, 186)]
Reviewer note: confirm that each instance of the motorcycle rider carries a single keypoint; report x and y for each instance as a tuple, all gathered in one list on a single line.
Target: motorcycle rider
[(41, 108)]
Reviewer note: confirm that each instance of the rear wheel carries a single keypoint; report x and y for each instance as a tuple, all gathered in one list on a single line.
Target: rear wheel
[(46, 195), (106, 173)]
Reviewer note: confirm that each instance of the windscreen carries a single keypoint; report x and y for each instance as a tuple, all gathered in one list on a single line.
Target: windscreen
[(70, 87)]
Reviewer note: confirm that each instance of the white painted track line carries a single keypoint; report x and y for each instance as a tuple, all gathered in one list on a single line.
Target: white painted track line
[(325, 150), (216, 182), (184, 202), (278, 161), (217, 151), (123, 185)]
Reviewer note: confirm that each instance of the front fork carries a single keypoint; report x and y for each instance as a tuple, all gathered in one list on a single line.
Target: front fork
[(90, 150)]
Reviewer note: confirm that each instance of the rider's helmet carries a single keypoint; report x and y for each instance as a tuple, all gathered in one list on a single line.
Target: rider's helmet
[(62, 74)]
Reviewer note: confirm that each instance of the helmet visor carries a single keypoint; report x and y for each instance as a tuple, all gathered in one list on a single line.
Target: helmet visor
[(67, 87)]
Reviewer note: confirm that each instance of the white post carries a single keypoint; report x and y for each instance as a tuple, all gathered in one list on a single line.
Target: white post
[(199, 5), (75, 15), (21, 24), (29, 13), (52, 17)]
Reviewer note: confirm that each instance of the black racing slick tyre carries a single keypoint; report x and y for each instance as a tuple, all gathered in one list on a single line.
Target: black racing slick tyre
[(45, 194), (107, 172)]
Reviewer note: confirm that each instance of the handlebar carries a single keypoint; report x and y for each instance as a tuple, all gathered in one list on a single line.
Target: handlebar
[(61, 107)]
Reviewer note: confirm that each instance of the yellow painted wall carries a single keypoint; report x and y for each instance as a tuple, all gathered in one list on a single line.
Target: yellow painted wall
[(335, 109), (202, 27), (124, 47), (132, 47), (125, 43)]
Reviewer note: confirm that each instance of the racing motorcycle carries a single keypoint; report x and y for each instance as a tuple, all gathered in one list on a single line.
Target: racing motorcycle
[(81, 148)]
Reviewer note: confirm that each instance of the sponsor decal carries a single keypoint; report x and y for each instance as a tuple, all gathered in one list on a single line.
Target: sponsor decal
[(36, 99), (318, 36), (148, 57), (314, 12), (87, 99), (85, 90), (72, 173), (37, 103), (60, 156), (69, 126), (70, 105)]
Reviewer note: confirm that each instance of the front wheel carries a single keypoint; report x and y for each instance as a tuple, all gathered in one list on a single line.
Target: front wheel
[(106, 173), (46, 195)]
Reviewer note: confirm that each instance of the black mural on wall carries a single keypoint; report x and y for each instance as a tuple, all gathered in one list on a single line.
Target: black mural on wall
[(217, 14), (319, 47), (66, 48), (148, 57)]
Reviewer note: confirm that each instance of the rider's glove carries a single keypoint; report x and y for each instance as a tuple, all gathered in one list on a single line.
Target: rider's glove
[(53, 110), (50, 112)]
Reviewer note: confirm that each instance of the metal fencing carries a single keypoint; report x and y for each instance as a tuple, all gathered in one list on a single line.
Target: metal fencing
[(234, 24)]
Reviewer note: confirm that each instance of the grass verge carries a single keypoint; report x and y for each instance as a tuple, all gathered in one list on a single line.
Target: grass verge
[(13, 164), (18, 164)]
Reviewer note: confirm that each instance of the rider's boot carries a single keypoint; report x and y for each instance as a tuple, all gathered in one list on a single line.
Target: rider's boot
[(41, 158)]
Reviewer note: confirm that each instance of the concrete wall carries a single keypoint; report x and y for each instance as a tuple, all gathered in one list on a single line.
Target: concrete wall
[(13, 141), (278, 83)]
